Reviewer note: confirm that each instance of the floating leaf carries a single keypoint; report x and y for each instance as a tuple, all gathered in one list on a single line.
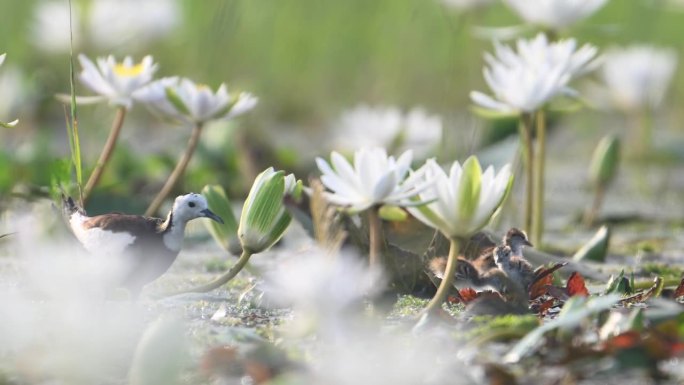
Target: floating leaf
[(596, 249), (575, 311)]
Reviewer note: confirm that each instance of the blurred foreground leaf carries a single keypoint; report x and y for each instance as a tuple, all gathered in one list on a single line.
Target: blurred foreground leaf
[(160, 355), (597, 247)]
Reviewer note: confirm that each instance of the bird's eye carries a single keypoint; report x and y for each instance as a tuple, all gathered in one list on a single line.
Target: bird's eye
[(191, 204)]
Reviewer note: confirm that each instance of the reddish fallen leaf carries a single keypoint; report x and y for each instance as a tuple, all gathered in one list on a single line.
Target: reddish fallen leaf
[(467, 294), (542, 271), (679, 291), (545, 306), (576, 286), (540, 287), (626, 340)]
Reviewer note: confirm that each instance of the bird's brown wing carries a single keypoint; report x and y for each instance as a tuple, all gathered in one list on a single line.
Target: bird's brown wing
[(117, 223)]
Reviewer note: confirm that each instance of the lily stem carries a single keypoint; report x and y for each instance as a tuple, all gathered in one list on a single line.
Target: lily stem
[(525, 129), (177, 172), (540, 162), (220, 281), (447, 282), (106, 153), (375, 238), (590, 216)]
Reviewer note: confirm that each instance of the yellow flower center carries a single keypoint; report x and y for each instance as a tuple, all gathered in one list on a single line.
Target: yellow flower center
[(201, 86), (128, 71)]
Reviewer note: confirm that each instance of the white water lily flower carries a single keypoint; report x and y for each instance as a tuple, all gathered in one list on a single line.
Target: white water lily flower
[(374, 179), (537, 71), (463, 201), (365, 126), (638, 76), (114, 81), (113, 23), (555, 14), (184, 100)]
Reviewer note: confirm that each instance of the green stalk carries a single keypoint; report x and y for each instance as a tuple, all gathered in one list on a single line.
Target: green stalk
[(647, 284), (447, 282), (72, 126), (540, 162), (590, 216), (375, 238), (106, 153), (177, 172), (220, 281), (645, 121), (525, 130)]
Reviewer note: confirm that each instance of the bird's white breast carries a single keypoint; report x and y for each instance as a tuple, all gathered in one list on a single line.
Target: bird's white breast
[(97, 240)]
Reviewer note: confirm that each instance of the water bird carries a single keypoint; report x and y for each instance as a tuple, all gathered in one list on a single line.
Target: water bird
[(146, 246), (514, 238), (516, 267)]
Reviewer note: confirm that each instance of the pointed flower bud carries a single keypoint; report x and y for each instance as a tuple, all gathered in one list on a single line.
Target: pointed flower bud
[(264, 218), (604, 163)]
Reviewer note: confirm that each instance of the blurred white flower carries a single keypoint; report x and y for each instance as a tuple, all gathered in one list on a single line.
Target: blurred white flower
[(464, 200), (365, 126), (464, 5), (374, 179), (184, 100), (115, 23), (50, 29), (321, 289), (116, 82), (15, 93), (555, 14), (106, 23), (638, 76), (526, 79)]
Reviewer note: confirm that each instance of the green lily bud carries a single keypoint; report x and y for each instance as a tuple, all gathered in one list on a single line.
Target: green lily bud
[(264, 217), (225, 234), (604, 163)]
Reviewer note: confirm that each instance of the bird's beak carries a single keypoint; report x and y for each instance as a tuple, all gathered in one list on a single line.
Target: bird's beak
[(528, 243), (210, 214)]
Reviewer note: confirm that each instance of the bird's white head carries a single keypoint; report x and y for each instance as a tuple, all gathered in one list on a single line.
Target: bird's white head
[(191, 206)]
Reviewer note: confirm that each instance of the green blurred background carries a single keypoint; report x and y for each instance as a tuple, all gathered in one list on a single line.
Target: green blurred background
[(307, 61)]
